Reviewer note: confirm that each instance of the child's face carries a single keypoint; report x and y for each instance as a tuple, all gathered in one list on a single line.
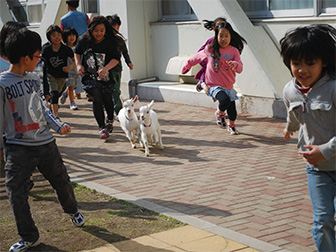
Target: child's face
[(32, 63), (224, 38), (307, 73), (55, 38), (99, 33), (71, 39)]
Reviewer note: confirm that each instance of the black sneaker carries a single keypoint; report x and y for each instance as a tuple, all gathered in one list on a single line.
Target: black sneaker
[(199, 87), (220, 120), (109, 126)]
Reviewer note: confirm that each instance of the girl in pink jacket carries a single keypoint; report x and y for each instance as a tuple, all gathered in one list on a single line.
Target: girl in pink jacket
[(223, 62)]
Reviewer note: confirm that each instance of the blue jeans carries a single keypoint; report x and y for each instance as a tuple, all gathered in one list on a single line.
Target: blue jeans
[(322, 190)]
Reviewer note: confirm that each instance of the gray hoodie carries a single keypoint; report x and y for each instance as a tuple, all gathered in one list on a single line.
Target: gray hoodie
[(313, 114), (24, 117)]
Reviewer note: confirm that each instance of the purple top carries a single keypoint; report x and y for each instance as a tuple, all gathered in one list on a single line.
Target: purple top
[(201, 73)]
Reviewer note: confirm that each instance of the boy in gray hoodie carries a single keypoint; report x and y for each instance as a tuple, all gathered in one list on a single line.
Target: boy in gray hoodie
[(25, 120), (309, 53)]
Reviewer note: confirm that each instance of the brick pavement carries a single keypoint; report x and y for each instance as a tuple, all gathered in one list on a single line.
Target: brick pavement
[(253, 183)]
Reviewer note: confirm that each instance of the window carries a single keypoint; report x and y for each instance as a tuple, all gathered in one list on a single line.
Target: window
[(29, 12), (287, 8), (176, 10), (89, 6)]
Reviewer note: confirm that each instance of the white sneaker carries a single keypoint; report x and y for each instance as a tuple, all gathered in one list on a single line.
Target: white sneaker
[(205, 88), (63, 97), (73, 107), (23, 245)]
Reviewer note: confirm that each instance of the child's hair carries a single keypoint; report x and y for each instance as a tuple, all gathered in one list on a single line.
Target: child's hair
[(210, 25), (312, 42), (67, 32), (97, 20), (72, 3), (114, 19), (53, 28), (237, 41), (8, 28), (22, 43)]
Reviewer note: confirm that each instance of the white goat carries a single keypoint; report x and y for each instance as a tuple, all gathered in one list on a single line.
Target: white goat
[(129, 121), (149, 126)]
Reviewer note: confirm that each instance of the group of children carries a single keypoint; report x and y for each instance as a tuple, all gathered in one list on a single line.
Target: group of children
[(308, 52), (26, 119)]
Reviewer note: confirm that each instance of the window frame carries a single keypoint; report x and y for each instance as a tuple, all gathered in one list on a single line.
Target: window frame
[(315, 11), (26, 5), (83, 4), (173, 18)]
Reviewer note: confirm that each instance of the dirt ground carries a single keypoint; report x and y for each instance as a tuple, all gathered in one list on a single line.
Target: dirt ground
[(108, 220)]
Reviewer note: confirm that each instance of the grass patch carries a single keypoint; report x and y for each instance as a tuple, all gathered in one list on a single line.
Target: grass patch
[(108, 219)]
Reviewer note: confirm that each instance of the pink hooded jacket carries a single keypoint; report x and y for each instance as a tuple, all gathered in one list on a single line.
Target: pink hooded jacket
[(222, 76)]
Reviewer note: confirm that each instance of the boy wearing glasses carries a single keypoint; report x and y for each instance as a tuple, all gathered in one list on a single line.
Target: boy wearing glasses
[(26, 121)]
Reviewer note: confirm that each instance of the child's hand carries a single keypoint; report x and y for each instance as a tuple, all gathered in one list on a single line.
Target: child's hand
[(314, 155), (130, 65), (65, 129), (66, 69), (102, 73), (185, 69), (80, 70), (231, 64), (287, 134)]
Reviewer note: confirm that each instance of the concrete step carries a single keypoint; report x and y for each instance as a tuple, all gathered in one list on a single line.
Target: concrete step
[(186, 94)]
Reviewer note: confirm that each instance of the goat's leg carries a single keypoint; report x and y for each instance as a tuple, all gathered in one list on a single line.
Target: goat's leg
[(145, 142), (160, 139), (138, 135), (130, 138)]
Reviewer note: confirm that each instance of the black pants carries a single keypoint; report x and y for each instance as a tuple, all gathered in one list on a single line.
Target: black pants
[(101, 100), (20, 163), (226, 104)]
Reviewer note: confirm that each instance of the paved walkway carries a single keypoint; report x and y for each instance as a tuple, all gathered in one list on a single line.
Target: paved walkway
[(250, 188)]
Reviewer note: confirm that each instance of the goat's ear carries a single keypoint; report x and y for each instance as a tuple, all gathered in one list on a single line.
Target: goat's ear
[(135, 98), (139, 103), (151, 104)]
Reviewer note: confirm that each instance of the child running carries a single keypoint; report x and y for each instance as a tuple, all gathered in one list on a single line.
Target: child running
[(115, 22), (56, 56), (70, 38), (209, 25), (26, 122), (100, 49), (309, 54), (223, 62)]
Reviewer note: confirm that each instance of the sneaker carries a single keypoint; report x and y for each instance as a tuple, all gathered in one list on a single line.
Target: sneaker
[(205, 88), (199, 87), (73, 107), (23, 245), (63, 97), (232, 129), (77, 219), (89, 98), (109, 126), (220, 120), (103, 133)]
